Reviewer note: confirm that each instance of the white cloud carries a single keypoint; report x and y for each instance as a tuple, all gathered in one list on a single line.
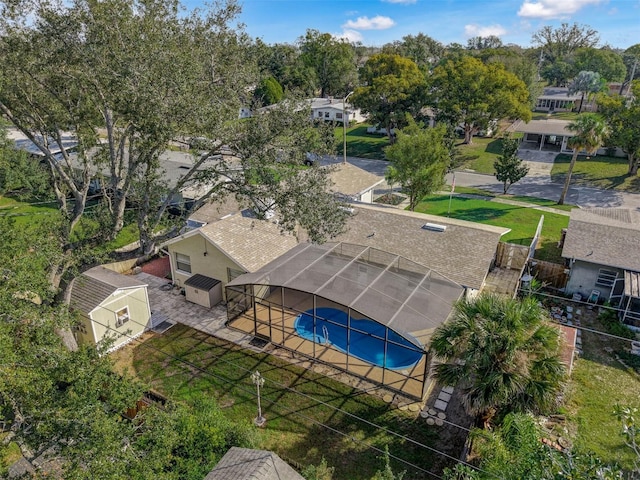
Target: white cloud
[(365, 23), (548, 9), (473, 30), (349, 35), (403, 2)]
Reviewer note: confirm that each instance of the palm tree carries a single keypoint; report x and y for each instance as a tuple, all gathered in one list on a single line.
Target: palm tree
[(591, 131), (502, 353)]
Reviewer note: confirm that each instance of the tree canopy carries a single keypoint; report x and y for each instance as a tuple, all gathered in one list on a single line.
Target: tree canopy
[(509, 168), (501, 353), (472, 94), (391, 84), (419, 160)]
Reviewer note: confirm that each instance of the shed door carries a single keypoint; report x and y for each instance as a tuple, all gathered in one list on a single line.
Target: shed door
[(617, 291)]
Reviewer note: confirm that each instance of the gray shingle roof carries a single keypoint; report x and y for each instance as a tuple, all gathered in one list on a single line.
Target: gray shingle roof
[(96, 285), (252, 243), (462, 253), (604, 236), (548, 127), (247, 464), (350, 180)]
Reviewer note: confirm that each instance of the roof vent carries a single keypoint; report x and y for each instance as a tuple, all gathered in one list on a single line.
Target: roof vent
[(434, 227)]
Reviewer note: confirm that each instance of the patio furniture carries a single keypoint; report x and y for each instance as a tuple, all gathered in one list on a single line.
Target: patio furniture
[(594, 297)]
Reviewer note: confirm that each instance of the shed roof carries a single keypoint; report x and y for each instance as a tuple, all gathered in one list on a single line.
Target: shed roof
[(390, 289), (463, 252), (604, 236), (247, 464), (97, 284), (201, 282), (352, 181), (546, 127)]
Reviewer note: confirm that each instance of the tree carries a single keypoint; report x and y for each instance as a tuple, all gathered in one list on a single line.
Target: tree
[(419, 160), (332, 61), (587, 83), (269, 91), (422, 49), (590, 132), (623, 119), (502, 354), (509, 168), (603, 61), (320, 472), (482, 43), (469, 93), (391, 84), (558, 43)]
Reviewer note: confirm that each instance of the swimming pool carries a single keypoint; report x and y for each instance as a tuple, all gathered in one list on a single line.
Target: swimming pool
[(400, 355)]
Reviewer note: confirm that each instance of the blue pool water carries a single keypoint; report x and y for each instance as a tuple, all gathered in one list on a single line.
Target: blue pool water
[(361, 345)]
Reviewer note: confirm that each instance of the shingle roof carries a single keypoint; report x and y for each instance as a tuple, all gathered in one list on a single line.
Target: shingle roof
[(96, 285), (250, 242), (604, 236), (462, 253), (351, 181), (247, 464)]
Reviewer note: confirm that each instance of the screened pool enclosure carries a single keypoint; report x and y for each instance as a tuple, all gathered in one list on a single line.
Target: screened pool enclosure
[(361, 310)]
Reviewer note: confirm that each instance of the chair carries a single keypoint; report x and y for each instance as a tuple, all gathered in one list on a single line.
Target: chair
[(594, 297)]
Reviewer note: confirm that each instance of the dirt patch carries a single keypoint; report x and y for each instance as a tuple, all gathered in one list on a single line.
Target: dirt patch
[(123, 357), (390, 199)]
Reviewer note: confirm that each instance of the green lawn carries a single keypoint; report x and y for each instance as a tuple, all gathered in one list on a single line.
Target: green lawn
[(481, 154), (543, 202), (293, 427), (521, 220), (600, 171), (554, 116), (598, 383), (360, 143)]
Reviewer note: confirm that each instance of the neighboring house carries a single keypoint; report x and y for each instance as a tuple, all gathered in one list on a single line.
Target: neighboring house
[(354, 184), (111, 305), (224, 249), (601, 248), (463, 252), (557, 99), (550, 135), (248, 464), (69, 143), (335, 110)]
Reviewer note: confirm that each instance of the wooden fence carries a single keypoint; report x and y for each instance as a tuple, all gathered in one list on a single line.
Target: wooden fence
[(511, 256), (552, 274)]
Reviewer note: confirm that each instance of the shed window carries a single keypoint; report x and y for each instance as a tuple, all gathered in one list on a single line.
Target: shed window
[(339, 115), (326, 114), (122, 316), (606, 277), (183, 262)]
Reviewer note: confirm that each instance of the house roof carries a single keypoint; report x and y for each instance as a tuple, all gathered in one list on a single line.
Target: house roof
[(212, 212), (97, 284), (547, 127), (463, 252), (247, 464), (352, 181), (559, 93), (246, 240), (604, 236)]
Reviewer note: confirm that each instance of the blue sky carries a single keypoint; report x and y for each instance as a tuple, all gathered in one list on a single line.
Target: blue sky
[(376, 22)]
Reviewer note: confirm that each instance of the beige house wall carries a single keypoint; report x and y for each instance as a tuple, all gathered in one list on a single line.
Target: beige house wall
[(104, 318), (214, 264)]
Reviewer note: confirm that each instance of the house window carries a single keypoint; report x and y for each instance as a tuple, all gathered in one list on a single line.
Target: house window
[(606, 277), (339, 116), (183, 262), (326, 114), (122, 316), (320, 114)]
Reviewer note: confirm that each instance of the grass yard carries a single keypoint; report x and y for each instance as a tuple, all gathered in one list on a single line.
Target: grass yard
[(9, 454), (481, 154), (521, 220), (293, 427), (543, 202), (598, 383), (554, 116), (600, 172), (360, 143)]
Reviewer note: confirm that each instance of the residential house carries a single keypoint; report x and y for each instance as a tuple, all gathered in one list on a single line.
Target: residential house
[(224, 249), (335, 110), (354, 184), (601, 248), (111, 305), (248, 464), (558, 99), (544, 135)]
